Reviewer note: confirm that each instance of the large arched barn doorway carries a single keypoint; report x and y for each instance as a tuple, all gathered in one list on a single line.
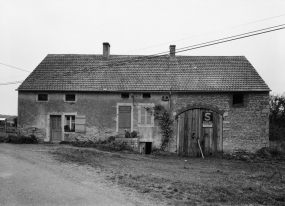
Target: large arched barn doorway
[(201, 125)]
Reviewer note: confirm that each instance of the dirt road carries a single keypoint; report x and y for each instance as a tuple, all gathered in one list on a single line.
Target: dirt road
[(30, 176)]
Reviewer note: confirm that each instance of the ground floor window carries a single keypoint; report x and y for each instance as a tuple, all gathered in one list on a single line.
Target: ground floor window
[(146, 118), (69, 124)]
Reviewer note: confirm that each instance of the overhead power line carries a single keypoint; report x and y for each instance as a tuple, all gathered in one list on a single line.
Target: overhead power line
[(209, 33), (15, 67), (183, 49), (8, 83), (196, 46), (236, 37)]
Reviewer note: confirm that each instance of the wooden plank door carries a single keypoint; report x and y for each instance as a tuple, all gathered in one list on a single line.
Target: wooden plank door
[(124, 119), (191, 131), (55, 128)]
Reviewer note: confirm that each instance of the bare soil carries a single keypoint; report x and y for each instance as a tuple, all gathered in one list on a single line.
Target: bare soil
[(173, 180)]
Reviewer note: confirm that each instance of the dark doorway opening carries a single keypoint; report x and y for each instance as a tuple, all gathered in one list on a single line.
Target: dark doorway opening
[(148, 147)]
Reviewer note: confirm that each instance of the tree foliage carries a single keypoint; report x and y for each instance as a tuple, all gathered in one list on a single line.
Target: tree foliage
[(277, 117)]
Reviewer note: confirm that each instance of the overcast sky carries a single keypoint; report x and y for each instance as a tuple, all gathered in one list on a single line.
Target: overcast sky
[(29, 30)]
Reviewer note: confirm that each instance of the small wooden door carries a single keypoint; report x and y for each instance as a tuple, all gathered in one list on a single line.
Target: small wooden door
[(191, 130), (55, 128), (124, 119)]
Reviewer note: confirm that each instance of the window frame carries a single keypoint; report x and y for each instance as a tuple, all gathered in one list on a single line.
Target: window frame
[(65, 120), (37, 97), (117, 115), (146, 97), (242, 104), (75, 97), (151, 105), (125, 97)]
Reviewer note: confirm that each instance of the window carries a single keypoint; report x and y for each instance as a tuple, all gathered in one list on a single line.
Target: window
[(42, 97), (125, 95), (146, 95), (237, 99), (146, 117), (69, 123), (70, 97)]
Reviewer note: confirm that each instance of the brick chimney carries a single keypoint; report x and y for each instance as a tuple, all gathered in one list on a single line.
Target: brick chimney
[(106, 49), (172, 50)]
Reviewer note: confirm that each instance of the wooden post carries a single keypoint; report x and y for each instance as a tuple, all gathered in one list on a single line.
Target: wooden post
[(200, 148)]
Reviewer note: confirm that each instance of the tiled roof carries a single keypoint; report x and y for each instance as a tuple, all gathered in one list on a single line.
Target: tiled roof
[(137, 73)]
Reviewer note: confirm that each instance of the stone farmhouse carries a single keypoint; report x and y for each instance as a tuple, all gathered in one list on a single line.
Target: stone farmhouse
[(219, 101)]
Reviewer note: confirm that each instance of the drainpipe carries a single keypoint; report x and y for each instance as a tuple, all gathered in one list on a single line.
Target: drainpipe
[(169, 100)]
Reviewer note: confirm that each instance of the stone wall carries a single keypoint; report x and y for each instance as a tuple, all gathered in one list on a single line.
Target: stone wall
[(133, 142), (100, 110), (244, 127)]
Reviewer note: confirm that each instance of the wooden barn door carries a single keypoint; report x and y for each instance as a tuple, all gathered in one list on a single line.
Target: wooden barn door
[(55, 128), (192, 128)]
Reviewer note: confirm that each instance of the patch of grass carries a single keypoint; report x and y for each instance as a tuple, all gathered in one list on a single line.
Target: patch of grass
[(212, 181)]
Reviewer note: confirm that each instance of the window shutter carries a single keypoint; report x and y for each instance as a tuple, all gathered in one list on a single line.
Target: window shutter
[(80, 122), (148, 118), (143, 115)]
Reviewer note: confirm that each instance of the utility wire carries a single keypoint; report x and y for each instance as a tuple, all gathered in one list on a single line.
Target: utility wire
[(231, 38), (15, 67), (161, 54), (183, 49), (8, 83), (270, 29), (208, 33)]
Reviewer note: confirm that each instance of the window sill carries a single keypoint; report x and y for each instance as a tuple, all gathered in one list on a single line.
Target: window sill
[(146, 125)]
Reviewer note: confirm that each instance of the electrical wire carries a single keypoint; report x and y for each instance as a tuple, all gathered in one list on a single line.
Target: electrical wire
[(183, 49), (8, 83), (208, 33), (230, 40), (218, 41), (15, 67)]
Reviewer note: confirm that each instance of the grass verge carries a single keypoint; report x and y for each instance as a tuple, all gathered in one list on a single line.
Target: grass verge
[(172, 180)]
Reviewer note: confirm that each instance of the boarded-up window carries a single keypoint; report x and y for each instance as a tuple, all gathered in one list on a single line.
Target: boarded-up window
[(124, 119), (145, 115), (80, 122)]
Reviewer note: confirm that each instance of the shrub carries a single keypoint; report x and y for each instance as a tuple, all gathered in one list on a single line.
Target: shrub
[(111, 139), (127, 134), (134, 134), (13, 138), (277, 117)]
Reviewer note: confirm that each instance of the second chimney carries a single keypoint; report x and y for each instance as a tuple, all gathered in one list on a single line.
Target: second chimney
[(172, 50), (106, 49)]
